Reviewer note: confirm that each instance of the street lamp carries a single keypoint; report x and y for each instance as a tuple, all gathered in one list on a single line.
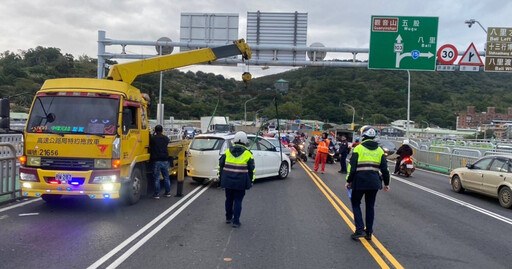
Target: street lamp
[(428, 125), (470, 23), (353, 115), (245, 108)]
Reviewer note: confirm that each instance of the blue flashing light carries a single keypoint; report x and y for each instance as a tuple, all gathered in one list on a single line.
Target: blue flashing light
[(59, 188), (38, 194), (92, 196), (25, 194), (68, 189), (106, 196)]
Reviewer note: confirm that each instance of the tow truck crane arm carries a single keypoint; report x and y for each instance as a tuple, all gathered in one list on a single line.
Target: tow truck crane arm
[(127, 72)]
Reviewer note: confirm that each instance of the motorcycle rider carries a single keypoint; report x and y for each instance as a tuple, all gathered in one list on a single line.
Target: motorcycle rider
[(403, 151)]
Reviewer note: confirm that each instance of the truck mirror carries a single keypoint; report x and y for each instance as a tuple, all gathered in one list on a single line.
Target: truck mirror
[(4, 108), (5, 123), (50, 117)]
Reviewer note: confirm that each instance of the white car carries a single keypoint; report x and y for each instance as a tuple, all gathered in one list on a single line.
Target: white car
[(205, 150)]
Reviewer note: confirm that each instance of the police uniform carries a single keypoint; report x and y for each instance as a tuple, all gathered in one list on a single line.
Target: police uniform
[(367, 169), (236, 174)]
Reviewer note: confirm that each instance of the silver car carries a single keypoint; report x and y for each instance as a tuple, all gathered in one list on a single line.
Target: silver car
[(490, 175)]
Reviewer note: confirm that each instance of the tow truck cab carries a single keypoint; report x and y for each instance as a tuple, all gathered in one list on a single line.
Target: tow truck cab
[(90, 139)]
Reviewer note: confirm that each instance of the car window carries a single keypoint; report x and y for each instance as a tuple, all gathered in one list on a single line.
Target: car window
[(499, 165), (206, 143), (265, 145), (482, 164)]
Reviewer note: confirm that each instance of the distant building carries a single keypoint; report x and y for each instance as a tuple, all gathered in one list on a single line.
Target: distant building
[(282, 86), (472, 120), (403, 123)]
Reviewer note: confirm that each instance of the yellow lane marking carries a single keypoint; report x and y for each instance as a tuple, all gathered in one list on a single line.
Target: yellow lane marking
[(347, 216), (368, 247)]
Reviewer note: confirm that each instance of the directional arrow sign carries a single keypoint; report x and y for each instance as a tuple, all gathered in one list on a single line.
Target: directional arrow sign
[(403, 43)]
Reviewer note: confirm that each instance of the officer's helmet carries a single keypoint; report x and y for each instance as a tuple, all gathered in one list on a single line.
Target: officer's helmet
[(406, 142), (368, 131), (240, 138)]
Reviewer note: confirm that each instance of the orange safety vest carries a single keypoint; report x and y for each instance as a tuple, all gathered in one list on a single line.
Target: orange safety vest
[(323, 146)]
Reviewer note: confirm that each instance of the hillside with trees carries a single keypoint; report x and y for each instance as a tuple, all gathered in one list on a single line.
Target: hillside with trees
[(314, 93)]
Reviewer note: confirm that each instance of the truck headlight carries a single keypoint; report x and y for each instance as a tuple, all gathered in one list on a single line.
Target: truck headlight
[(102, 163), (27, 177), (104, 179), (33, 161)]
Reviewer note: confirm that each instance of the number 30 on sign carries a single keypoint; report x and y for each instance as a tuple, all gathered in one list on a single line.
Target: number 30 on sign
[(447, 54)]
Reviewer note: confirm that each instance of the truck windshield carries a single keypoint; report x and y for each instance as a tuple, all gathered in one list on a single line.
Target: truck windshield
[(74, 114), (222, 128)]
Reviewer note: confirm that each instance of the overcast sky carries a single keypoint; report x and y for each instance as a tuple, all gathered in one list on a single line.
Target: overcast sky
[(72, 25)]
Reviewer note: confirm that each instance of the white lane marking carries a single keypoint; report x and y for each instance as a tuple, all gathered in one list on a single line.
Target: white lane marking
[(28, 214), (141, 242), (20, 204), (139, 232), (468, 205)]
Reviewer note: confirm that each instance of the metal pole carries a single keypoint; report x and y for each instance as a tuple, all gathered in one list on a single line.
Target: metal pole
[(101, 51), (353, 114), (245, 108), (408, 102), (161, 113)]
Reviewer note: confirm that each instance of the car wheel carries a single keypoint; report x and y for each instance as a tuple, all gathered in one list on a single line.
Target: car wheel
[(456, 184), (283, 170), (505, 197), (133, 191), (51, 198)]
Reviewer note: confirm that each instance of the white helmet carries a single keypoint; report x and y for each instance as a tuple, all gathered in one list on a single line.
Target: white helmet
[(240, 138), (406, 142), (368, 132)]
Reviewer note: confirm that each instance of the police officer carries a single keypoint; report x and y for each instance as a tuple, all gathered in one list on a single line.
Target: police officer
[(367, 163), (343, 154), (236, 174)]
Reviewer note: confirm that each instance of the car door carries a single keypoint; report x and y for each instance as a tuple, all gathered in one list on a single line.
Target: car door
[(259, 159), (472, 179), (498, 172), (272, 159)]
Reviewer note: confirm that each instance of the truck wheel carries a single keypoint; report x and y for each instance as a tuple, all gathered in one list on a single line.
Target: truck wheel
[(283, 170), (51, 198), (133, 190)]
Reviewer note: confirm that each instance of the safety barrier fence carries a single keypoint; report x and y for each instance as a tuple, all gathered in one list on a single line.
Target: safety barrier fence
[(444, 158), (9, 186)]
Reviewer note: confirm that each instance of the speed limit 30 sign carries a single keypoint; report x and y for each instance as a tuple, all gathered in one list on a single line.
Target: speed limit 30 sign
[(447, 54)]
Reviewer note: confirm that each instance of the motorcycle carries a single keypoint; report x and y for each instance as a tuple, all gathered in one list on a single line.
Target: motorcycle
[(332, 155), (301, 152), (407, 166)]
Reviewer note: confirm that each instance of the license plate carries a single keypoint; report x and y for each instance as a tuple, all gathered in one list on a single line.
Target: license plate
[(409, 166), (63, 177)]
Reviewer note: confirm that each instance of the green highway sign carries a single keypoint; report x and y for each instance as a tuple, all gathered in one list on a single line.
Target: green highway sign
[(405, 43)]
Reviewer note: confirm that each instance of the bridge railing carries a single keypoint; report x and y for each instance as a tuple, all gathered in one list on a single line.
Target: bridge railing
[(9, 186)]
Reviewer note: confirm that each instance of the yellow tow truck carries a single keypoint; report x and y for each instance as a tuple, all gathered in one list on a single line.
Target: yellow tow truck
[(90, 137)]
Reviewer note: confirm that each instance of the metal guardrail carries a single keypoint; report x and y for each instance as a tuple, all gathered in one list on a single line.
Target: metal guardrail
[(8, 171)]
